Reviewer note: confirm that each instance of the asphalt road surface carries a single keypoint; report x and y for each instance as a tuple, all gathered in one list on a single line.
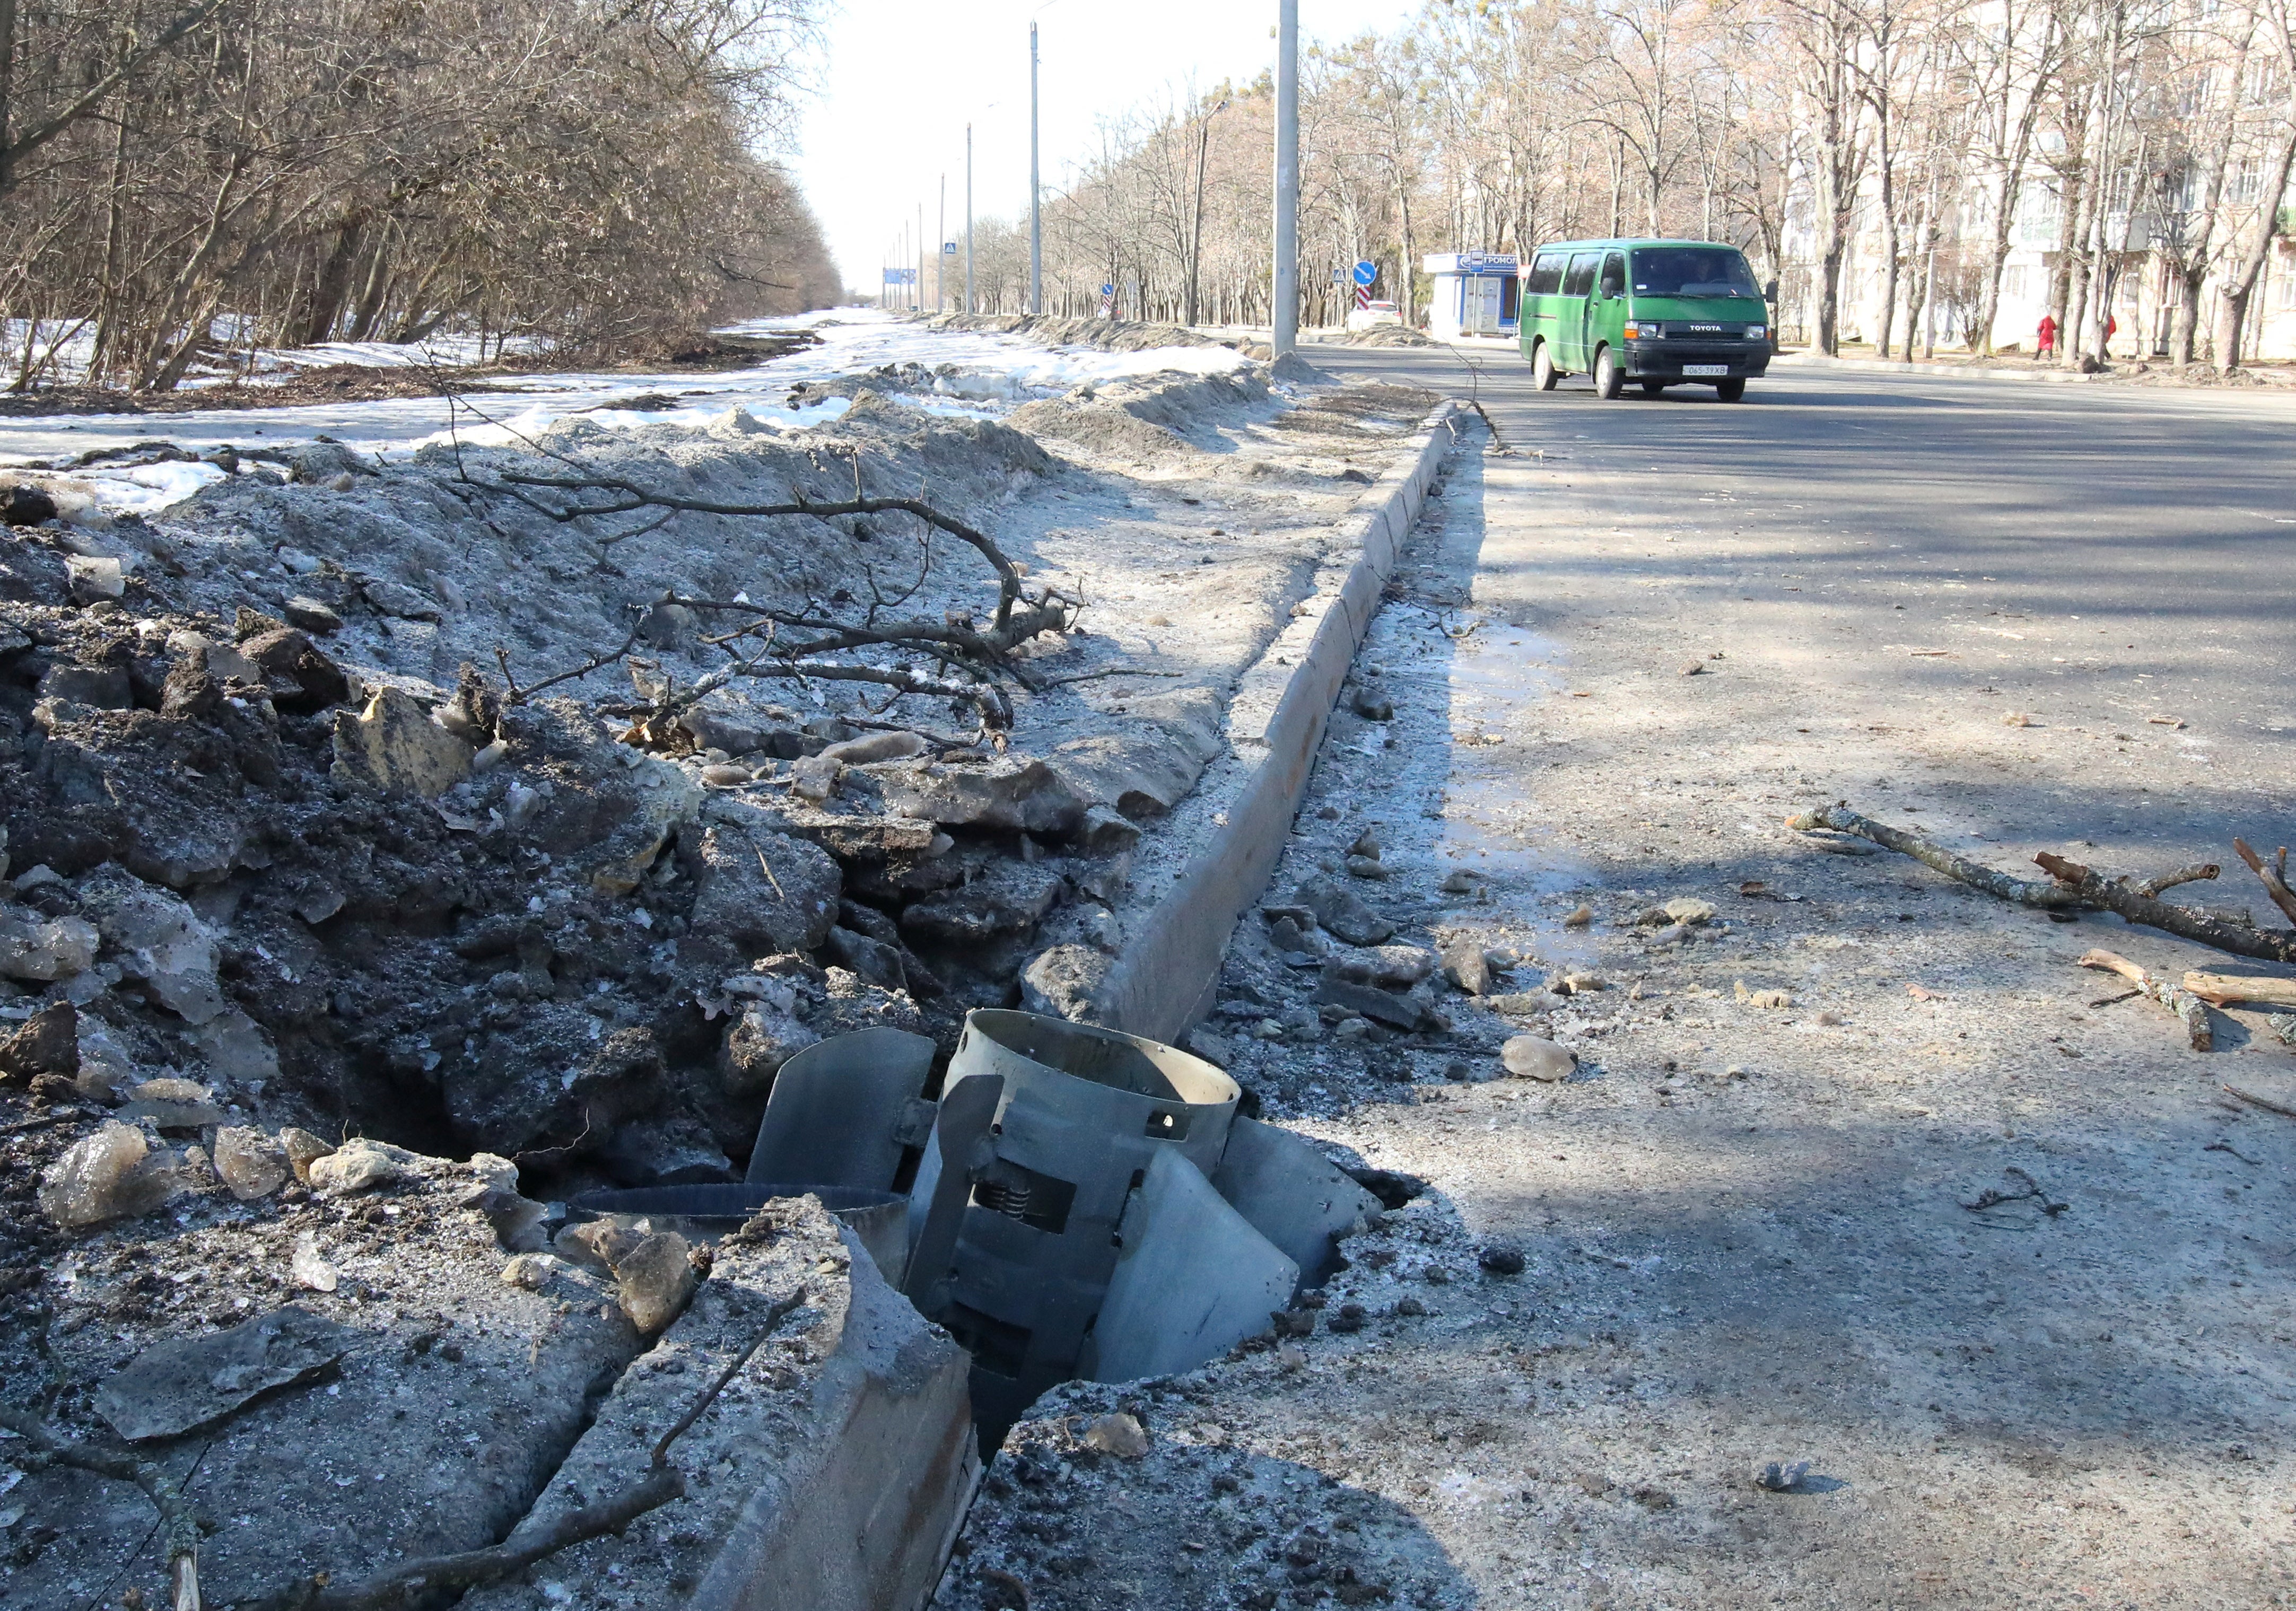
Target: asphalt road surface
[(1868, 1171)]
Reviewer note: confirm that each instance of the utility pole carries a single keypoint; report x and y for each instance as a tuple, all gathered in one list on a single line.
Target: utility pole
[(1037, 190), (1285, 336), (968, 217), (917, 295), (941, 256)]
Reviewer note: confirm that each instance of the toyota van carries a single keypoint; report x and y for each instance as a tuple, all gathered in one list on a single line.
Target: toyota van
[(1657, 313)]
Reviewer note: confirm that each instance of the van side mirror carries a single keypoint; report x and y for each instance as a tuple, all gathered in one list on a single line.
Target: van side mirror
[(1770, 291)]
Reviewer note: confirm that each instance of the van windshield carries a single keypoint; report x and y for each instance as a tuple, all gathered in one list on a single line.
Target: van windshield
[(1693, 271)]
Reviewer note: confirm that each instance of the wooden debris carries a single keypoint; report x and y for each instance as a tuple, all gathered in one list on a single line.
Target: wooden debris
[(2192, 874), (2090, 885), (2183, 1004), (2025, 892), (2220, 989), (2274, 877)]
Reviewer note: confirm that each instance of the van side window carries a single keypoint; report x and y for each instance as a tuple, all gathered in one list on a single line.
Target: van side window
[(1580, 280), (1614, 274), (1546, 275)]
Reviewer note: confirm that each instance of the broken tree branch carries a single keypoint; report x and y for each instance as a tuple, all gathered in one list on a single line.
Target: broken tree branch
[(631, 496), (2274, 877), (2192, 874), (2089, 885), (2182, 1003), (176, 1518), (2024, 891), (2220, 989)]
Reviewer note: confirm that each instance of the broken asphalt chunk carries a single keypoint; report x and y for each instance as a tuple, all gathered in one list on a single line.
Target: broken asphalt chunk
[(186, 1383)]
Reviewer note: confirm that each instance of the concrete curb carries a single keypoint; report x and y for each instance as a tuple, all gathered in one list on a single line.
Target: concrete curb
[(1892, 366), (1164, 979)]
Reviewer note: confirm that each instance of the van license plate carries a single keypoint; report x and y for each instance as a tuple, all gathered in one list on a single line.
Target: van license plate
[(1706, 369)]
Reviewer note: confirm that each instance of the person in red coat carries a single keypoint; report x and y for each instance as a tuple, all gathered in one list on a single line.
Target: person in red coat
[(2047, 333)]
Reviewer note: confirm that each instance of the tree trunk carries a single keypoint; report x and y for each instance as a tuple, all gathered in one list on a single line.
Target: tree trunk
[(2232, 293)]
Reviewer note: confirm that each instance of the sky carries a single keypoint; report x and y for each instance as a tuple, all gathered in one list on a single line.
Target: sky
[(900, 79)]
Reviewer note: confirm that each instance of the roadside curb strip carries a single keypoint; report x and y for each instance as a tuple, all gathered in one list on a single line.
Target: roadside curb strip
[(1166, 977), (1892, 366), (864, 1518)]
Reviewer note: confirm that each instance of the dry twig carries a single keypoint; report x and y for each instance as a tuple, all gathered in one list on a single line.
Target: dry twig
[(2182, 1003), (176, 1518)]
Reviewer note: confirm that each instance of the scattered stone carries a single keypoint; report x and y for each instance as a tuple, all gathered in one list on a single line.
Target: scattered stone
[(1347, 1319), (358, 1165), (654, 1280), (1578, 983), (394, 744), (1579, 918), (1064, 981), (100, 687), (310, 615), (302, 680), (768, 893), (43, 952), (1107, 831), (1120, 1435), (875, 747), (25, 505), (1530, 1057), (48, 1044), (161, 943), (1372, 705), (1466, 965), (1781, 1477), (1367, 867), (1367, 845), (1287, 936), (1409, 1013), (303, 1150), (172, 1104), (815, 777), (2016, 718), (1011, 793), (1290, 1356), (1692, 668), (1395, 967), (1462, 880), (110, 1175), (1010, 898), (869, 958), (1343, 912), (308, 1268), (185, 1383), (95, 579), (1686, 909), (1763, 998), (1500, 1258), (253, 1164), (1832, 1019), (532, 1271)]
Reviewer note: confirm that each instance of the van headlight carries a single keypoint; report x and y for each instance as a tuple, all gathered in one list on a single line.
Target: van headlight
[(1756, 332)]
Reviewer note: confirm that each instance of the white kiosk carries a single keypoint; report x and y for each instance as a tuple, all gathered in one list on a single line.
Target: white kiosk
[(1475, 295)]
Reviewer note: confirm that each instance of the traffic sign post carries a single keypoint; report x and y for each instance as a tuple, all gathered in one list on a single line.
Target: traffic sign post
[(1366, 273), (1108, 301)]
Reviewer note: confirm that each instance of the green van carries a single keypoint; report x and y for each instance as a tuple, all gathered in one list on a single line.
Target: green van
[(1662, 313)]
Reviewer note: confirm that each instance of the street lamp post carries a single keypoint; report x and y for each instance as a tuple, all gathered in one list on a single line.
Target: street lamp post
[(968, 217), (1036, 190), (1196, 232), (1285, 335)]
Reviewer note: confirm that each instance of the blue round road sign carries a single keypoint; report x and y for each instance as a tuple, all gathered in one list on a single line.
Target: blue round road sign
[(1365, 273)]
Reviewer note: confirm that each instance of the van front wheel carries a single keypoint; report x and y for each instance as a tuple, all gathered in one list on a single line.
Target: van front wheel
[(1542, 373), (1607, 379), (1731, 389)]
